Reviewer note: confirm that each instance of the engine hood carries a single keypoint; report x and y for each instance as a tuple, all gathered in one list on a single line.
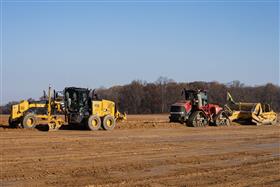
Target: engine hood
[(184, 103)]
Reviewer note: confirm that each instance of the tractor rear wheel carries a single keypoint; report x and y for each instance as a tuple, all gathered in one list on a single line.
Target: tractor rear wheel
[(221, 119), (29, 121), (198, 119), (94, 122), (109, 122)]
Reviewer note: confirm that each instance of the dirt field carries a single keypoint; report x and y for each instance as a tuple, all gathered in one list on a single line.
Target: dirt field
[(144, 151)]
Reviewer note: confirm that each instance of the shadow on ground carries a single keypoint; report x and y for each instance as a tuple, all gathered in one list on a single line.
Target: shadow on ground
[(45, 127)]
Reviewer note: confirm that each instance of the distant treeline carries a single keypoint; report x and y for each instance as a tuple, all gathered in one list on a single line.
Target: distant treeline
[(140, 97)]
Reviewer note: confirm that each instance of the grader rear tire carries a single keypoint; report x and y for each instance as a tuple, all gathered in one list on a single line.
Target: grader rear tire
[(29, 121), (94, 122), (109, 122)]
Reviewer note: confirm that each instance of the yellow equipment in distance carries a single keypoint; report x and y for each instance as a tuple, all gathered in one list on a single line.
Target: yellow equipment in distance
[(257, 113)]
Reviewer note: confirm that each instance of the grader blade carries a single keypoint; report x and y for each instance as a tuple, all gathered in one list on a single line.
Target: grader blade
[(120, 117), (55, 124)]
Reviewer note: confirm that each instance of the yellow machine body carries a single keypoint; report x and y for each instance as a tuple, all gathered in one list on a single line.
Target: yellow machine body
[(106, 107), (257, 113), (103, 108), (26, 108), (18, 110)]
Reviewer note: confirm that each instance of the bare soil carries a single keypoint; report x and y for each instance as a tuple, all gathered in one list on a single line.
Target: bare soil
[(145, 150)]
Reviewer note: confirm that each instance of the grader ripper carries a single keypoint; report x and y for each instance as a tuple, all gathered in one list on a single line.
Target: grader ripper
[(78, 105), (255, 113)]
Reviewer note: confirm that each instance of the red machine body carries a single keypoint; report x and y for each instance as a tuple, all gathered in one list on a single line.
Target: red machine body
[(196, 111), (211, 109)]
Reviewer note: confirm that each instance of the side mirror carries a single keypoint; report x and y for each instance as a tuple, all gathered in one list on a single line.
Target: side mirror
[(55, 94), (183, 91), (92, 93), (44, 94)]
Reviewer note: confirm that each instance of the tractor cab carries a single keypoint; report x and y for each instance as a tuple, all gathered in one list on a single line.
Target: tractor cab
[(194, 100), (198, 98)]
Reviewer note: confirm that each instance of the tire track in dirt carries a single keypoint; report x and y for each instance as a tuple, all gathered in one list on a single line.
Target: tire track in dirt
[(152, 156)]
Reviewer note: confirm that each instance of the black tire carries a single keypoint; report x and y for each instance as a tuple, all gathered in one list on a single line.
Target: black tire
[(221, 119), (13, 124), (182, 121), (109, 122), (29, 121), (198, 119), (94, 123)]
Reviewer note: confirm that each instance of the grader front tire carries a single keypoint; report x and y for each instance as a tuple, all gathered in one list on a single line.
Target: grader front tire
[(29, 121), (14, 124)]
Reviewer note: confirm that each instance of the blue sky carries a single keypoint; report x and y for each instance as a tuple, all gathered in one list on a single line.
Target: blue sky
[(94, 43)]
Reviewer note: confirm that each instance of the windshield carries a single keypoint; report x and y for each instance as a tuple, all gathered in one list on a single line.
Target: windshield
[(189, 95), (77, 99), (177, 109)]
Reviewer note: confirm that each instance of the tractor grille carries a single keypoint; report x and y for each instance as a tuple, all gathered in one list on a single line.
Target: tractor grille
[(177, 109)]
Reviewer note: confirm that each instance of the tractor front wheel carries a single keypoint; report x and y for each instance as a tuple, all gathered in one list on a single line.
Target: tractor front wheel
[(29, 121), (221, 119), (94, 122), (109, 122), (198, 119)]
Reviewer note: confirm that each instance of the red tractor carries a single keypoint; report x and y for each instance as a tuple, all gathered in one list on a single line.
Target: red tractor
[(196, 112)]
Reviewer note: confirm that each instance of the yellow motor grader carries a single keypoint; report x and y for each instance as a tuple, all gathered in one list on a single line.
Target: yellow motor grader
[(254, 113), (78, 105)]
